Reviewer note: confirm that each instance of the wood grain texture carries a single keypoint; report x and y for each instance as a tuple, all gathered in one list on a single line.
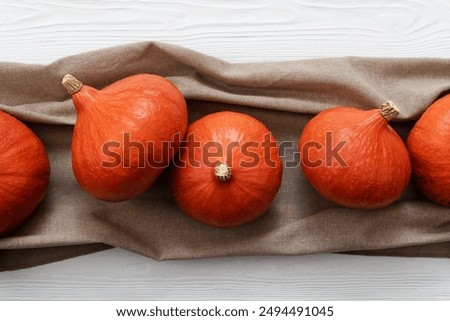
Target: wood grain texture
[(120, 275), (41, 31)]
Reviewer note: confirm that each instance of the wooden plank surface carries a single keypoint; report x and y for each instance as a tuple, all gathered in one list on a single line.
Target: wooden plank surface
[(120, 275), (40, 31)]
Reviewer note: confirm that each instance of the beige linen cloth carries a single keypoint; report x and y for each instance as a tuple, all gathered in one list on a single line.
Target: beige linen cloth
[(283, 95)]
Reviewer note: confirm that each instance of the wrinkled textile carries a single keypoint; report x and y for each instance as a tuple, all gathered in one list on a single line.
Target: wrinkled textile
[(284, 96)]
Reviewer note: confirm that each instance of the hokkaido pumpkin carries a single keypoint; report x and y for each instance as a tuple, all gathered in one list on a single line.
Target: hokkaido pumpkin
[(125, 134), (228, 170), (353, 158), (24, 172), (428, 145)]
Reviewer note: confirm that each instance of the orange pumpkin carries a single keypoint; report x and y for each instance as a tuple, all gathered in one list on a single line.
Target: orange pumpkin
[(353, 158), (24, 172), (228, 170), (125, 134), (428, 145)]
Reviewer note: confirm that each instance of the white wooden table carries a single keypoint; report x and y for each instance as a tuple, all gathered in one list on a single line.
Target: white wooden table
[(40, 31)]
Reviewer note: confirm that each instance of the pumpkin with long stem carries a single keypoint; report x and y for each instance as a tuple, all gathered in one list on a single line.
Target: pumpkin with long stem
[(353, 158), (125, 134)]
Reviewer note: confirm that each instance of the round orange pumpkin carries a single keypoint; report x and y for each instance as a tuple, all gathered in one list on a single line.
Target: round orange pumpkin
[(24, 172), (353, 158), (428, 145), (228, 170), (125, 134)]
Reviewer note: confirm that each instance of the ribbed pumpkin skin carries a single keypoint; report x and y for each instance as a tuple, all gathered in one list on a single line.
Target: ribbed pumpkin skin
[(429, 147), (252, 187), (378, 166), (146, 107), (24, 172)]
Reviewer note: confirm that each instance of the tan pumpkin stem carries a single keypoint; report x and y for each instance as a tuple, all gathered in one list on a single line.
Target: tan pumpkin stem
[(72, 84), (389, 110), (222, 171)]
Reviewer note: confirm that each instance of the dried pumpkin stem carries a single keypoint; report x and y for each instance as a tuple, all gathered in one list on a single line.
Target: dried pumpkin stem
[(222, 171), (72, 84), (389, 110)]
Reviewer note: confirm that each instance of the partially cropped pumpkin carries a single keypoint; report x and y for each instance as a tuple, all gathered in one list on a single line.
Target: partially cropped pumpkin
[(429, 147), (125, 134), (353, 158), (228, 171), (24, 172)]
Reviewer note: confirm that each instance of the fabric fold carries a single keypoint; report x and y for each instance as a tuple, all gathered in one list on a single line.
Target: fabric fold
[(284, 95)]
